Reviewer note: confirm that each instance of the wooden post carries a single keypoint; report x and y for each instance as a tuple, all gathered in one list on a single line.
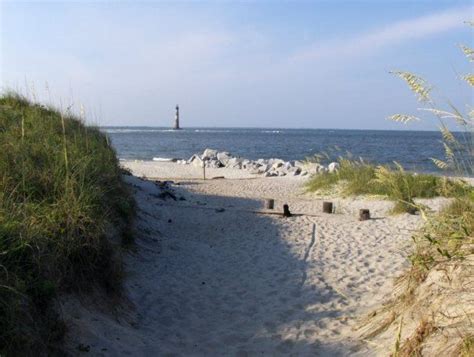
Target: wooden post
[(269, 203), (204, 170), (327, 207), (364, 215), (286, 211)]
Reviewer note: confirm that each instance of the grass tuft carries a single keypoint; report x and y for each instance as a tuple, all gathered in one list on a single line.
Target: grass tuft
[(60, 189), (361, 178)]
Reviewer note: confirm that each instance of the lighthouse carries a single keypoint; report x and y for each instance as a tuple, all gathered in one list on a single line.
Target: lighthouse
[(176, 119)]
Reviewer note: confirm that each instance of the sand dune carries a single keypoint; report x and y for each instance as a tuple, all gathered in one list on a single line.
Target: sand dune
[(209, 277)]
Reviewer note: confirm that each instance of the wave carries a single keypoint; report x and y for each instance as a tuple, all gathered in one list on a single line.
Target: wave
[(166, 130), (117, 131), (211, 131)]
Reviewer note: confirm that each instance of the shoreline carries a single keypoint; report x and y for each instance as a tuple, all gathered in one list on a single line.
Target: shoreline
[(148, 167)]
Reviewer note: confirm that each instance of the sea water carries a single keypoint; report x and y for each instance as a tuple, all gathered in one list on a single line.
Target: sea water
[(412, 149)]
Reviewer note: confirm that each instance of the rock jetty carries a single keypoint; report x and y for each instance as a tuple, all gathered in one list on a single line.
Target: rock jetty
[(266, 167)]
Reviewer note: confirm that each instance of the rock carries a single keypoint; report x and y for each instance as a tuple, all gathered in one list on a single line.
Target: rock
[(197, 161), (277, 165), (235, 162), (294, 171), (264, 168), (214, 164), (261, 162), (254, 166), (287, 165), (223, 157), (209, 154), (303, 173), (192, 158), (276, 161), (333, 167), (246, 163)]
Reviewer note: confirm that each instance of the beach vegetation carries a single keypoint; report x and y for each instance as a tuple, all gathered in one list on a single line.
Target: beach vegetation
[(61, 194), (356, 177), (435, 294)]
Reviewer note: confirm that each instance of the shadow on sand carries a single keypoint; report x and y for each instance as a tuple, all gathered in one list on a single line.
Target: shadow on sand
[(226, 282)]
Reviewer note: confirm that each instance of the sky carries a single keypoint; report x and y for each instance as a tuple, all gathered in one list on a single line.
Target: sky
[(279, 64)]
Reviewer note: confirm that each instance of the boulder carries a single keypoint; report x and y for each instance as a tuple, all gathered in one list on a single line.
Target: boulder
[(333, 167), (196, 161), (287, 165), (213, 163), (235, 162), (277, 165), (223, 157), (294, 171), (264, 168), (246, 163), (276, 161), (209, 154)]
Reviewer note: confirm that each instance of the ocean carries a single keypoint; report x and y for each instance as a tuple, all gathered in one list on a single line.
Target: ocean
[(412, 149)]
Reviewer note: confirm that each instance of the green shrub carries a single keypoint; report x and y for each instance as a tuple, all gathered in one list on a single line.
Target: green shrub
[(60, 189)]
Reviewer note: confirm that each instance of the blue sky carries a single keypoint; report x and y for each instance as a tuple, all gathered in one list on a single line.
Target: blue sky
[(311, 64)]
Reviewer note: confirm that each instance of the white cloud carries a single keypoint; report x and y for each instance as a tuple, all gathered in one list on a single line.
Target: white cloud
[(389, 35)]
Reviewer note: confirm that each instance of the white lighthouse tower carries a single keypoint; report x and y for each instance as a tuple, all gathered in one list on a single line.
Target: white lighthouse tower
[(176, 119)]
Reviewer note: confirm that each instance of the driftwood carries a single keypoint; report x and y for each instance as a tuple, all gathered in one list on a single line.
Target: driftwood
[(327, 207)]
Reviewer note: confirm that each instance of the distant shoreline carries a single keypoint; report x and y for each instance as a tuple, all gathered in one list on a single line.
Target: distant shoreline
[(265, 128)]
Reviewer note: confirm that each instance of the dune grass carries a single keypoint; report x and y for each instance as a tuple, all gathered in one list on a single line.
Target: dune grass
[(435, 294), (60, 191), (361, 178), (448, 236)]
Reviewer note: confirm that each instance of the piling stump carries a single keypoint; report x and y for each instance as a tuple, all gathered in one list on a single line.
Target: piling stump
[(328, 207), (364, 214), (269, 203)]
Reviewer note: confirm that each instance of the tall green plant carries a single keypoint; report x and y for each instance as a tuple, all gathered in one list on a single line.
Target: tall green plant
[(60, 190), (458, 151)]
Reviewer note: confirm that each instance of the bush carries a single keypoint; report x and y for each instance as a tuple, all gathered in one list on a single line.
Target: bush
[(60, 188)]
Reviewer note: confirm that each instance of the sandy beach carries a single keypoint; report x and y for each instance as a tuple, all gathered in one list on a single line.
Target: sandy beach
[(209, 276)]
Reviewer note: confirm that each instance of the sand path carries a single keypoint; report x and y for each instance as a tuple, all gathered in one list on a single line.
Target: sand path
[(231, 282)]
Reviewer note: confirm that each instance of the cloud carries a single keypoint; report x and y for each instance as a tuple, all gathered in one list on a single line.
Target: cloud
[(395, 33)]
